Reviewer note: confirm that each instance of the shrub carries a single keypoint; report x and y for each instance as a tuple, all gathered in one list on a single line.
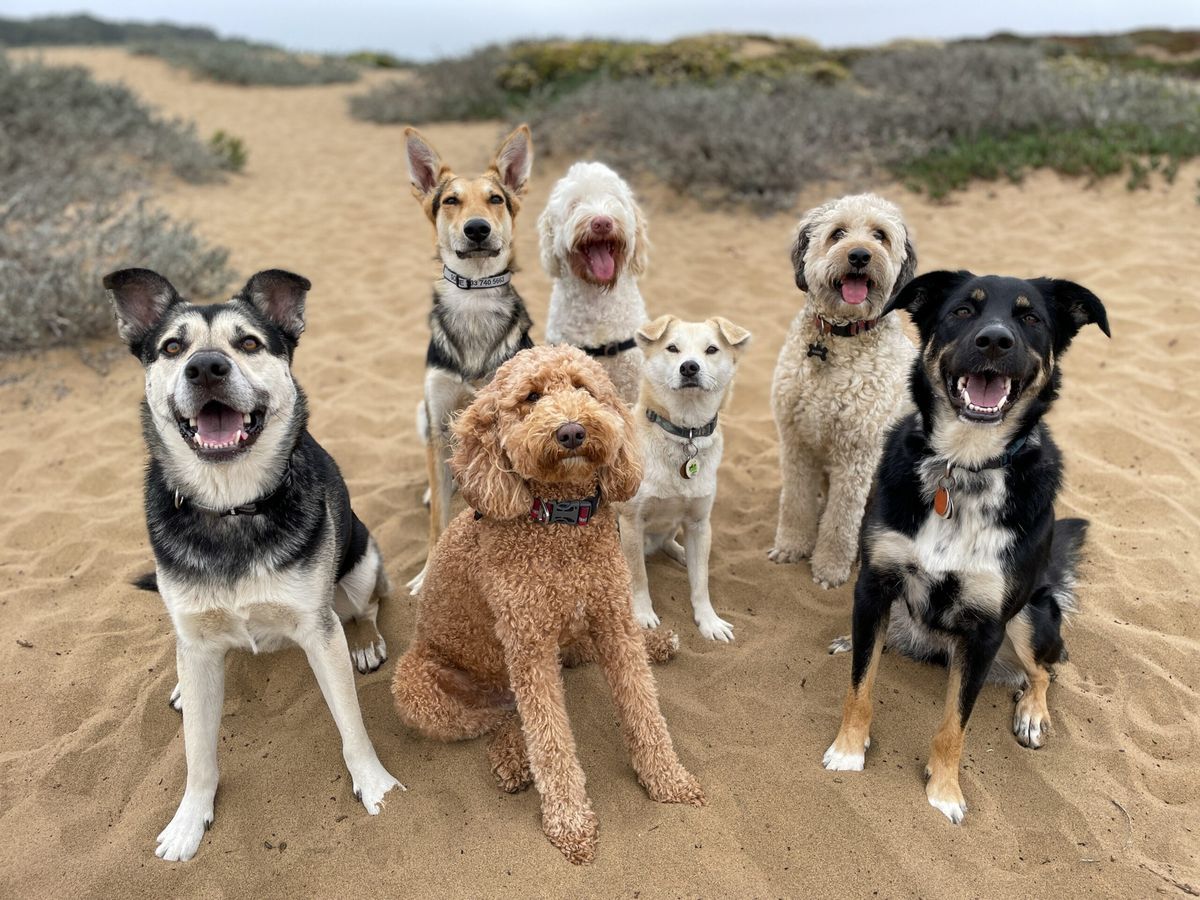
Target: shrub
[(230, 151), (83, 29), (242, 63), (375, 59), (463, 88)]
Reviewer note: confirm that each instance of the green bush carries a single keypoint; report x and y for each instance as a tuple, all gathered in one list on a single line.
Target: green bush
[(230, 151), (47, 31), (374, 59)]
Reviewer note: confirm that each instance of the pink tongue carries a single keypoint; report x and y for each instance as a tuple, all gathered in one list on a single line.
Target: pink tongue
[(854, 290), (218, 424), (601, 262), (986, 390)]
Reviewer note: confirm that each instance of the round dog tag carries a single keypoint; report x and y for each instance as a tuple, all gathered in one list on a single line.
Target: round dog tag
[(690, 469)]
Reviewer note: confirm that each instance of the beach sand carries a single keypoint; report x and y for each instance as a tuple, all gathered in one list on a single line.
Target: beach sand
[(91, 756)]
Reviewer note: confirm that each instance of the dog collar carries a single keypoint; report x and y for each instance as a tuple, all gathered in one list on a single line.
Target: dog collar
[(255, 508), (612, 348), (671, 428), (561, 512), (472, 284), (943, 500), (850, 329)]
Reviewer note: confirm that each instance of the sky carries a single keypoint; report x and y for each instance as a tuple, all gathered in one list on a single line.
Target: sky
[(426, 30)]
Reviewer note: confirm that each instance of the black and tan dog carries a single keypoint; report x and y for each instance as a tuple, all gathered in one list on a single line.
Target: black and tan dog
[(478, 319), (962, 559)]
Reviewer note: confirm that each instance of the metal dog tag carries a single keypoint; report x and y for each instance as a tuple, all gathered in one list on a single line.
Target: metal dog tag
[(943, 502), (690, 469)]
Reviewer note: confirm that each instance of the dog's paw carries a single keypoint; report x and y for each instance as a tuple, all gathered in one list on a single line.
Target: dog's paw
[(672, 549), (846, 755), (512, 772), (371, 782), (945, 796), (646, 616), (179, 841), (785, 555), (676, 786), (829, 573), (715, 628), (661, 646), (1031, 720), (418, 581), (369, 656), (575, 836), (840, 644), (176, 700)]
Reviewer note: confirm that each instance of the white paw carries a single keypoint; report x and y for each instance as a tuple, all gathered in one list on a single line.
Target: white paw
[(954, 809), (369, 658), (647, 617), (837, 761), (179, 840), (176, 701), (785, 555), (371, 782), (715, 628), (1030, 725), (841, 644), (414, 586), (829, 575)]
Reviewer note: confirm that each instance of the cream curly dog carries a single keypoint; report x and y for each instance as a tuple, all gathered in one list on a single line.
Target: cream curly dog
[(841, 377), (531, 575), (593, 244)]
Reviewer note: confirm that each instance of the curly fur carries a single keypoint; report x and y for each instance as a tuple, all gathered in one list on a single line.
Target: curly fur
[(585, 311), (506, 600), (832, 413)]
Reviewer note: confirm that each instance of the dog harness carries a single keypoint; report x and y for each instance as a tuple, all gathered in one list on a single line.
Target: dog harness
[(612, 348), (691, 466), (255, 508), (824, 327), (561, 512), (472, 284), (943, 500)]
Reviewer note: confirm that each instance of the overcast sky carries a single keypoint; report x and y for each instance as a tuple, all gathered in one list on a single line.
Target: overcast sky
[(446, 27)]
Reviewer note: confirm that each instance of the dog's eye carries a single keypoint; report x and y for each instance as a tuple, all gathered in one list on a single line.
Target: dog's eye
[(671, 348), (495, 200), (172, 347), (712, 349), (838, 234), (533, 397), (964, 312), (1030, 319), (880, 236), (449, 201), (250, 344)]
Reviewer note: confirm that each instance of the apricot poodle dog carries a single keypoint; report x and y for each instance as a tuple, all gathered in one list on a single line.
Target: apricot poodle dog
[(532, 577)]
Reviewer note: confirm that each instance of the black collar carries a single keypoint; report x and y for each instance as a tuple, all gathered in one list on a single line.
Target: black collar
[(671, 428), (850, 329), (471, 284), (561, 512), (612, 348), (254, 508), (1001, 461)]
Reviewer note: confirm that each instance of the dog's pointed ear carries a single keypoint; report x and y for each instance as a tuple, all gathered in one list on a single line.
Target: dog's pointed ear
[(908, 268), (652, 332), (140, 299), (425, 168), (481, 467), (800, 249), (547, 226), (514, 160), (922, 297), (735, 336), (1073, 306), (279, 296), (641, 242)]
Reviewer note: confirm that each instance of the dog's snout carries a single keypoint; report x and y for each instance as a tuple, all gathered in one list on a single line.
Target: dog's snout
[(207, 368), (859, 257), (994, 339), (602, 225), (477, 230), (689, 368), (571, 435)]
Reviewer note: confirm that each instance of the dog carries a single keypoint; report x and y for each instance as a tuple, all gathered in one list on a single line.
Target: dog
[(962, 559), (478, 319), (593, 242), (255, 542), (532, 574), (688, 379), (840, 379)]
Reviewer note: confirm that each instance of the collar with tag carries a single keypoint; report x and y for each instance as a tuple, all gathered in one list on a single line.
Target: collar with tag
[(612, 348), (943, 499), (472, 284), (671, 428), (561, 512), (254, 508), (850, 329)]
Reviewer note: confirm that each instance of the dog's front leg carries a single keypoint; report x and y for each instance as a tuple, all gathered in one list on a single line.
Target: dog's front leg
[(536, 680), (698, 542), (841, 522), (634, 551), (329, 656), (799, 501), (201, 669)]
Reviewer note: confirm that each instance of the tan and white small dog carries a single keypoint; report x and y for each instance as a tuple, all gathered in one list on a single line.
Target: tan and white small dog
[(687, 379)]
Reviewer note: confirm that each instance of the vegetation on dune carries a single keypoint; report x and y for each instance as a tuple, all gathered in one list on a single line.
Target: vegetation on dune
[(49, 31), (244, 63)]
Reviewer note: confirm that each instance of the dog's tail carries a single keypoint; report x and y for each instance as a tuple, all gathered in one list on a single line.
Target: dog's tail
[(1062, 573), (146, 582)]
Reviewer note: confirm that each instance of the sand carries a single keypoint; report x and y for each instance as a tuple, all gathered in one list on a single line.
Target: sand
[(91, 757)]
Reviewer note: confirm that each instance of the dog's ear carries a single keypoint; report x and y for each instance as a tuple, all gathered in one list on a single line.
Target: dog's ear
[(735, 336), (279, 296), (923, 297), (620, 480), (652, 332), (799, 249), (425, 168), (479, 463), (140, 299), (641, 242), (514, 160), (1073, 306), (547, 225), (908, 268)]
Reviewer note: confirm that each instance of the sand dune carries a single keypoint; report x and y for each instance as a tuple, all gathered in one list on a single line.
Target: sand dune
[(91, 757)]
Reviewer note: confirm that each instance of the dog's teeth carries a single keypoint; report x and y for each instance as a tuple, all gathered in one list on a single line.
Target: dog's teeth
[(196, 438), (245, 418), (192, 423)]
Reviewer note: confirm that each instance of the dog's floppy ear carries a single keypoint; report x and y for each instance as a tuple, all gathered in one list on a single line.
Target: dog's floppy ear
[(514, 160), (425, 168), (641, 242), (923, 297), (1073, 306), (735, 336), (799, 249), (619, 480), (652, 332), (140, 299), (547, 225), (908, 268), (279, 296), (480, 465)]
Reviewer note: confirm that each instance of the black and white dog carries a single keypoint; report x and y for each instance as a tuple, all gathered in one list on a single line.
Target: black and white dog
[(962, 559), (254, 539)]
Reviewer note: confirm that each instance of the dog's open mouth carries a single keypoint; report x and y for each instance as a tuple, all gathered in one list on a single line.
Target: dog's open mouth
[(982, 396), (854, 288), (478, 253), (597, 261), (221, 430)]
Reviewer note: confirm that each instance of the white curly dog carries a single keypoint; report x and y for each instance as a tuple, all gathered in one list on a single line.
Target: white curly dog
[(841, 379), (593, 244)]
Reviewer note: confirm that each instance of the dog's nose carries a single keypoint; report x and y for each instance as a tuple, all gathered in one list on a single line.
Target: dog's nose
[(571, 435), (207, 369), (689, 368), (859, 257), (602, 225), (477, 230), (994, 340)]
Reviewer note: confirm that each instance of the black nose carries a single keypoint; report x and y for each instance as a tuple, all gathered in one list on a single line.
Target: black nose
[(689, 368), (207, 369), (859, 257), (477, 230), (571, 435), (994, 340)]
